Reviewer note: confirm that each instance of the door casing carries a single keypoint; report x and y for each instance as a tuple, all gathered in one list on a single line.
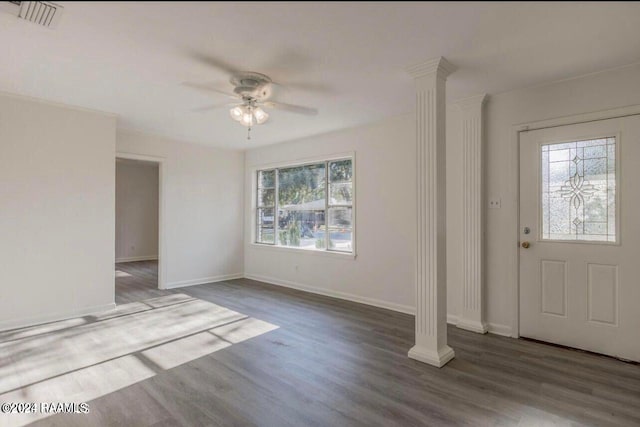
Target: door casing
[(160, 161)]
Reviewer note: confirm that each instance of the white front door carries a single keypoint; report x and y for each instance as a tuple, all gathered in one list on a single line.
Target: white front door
[(580, 236)]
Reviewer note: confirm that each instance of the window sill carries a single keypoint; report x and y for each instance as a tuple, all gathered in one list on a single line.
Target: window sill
[(330, 254)]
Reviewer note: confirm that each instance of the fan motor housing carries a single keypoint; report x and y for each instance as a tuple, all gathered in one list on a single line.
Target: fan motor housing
[(249, 83)]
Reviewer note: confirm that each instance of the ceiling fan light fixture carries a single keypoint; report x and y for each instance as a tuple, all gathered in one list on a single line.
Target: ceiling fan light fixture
[(247, 118), (252, 91), (260, 115), (236, 113)]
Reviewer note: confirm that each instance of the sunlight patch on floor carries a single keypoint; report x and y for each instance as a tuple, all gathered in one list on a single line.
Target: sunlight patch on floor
[(81, 359)]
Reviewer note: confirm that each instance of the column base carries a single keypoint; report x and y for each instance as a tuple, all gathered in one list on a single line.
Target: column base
[(430, 357), (472, 325)]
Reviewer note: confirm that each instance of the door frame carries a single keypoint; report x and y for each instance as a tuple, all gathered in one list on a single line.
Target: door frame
[(160, 161), (514, 173)]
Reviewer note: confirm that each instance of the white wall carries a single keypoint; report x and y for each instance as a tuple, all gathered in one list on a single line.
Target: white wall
[(136, 210), (56, 211), (383, 271), (598, 92), (202, 205)]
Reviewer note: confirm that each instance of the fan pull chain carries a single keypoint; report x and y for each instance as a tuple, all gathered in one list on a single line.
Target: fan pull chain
[(249, 133)]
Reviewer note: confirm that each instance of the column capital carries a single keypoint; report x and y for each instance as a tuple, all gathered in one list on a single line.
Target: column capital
[(439, 66), (471, 102)]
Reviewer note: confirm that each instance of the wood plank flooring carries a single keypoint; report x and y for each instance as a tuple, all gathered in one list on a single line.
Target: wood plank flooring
[(137, 281), (337, 363)]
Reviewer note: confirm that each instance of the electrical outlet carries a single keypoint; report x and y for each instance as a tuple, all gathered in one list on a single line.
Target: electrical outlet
[(495, 203)]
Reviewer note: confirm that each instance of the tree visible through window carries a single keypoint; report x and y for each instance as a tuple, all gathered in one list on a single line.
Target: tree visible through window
[(308, 206)]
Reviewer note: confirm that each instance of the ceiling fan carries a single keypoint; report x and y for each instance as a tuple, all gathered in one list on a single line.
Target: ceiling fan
[(252, 91)]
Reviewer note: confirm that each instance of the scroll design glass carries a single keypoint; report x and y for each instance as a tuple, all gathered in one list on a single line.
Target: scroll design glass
[(579, 190)]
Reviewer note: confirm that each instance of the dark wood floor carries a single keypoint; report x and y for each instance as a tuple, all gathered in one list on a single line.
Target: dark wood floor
[(337, 363), (137, 281)]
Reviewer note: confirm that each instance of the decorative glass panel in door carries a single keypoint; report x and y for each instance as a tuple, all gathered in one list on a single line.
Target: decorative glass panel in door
[(578, 186)]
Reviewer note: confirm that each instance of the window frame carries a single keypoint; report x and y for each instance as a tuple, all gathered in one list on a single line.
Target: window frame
[(299, 163)]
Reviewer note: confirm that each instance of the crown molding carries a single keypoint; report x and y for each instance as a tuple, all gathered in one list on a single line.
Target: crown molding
[(471, 102), (438, 65)]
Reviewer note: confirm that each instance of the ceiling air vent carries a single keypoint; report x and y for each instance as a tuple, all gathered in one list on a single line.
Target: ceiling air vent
[(43, 13)]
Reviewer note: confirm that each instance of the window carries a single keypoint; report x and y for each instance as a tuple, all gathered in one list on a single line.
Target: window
[(266, 206), (307, 206), (579, 190)]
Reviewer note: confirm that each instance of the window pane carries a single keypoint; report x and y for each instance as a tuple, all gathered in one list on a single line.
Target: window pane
[(340, 170), (340, 193), (578, 190), (301, 228), (267, 179), (266, 235), (266, 232), (267, 197), (302, 187), (299, 219), (340, 229), (265, 217)]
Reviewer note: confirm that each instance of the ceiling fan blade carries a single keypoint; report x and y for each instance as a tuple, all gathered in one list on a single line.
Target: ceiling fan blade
[(213, 107), (298, 109), (214, 62), (207, 88)]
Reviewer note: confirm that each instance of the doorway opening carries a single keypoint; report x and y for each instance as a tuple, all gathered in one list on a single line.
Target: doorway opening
[(138, 233)]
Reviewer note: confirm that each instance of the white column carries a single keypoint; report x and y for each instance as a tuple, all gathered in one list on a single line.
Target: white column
[(471, 316), (431, 274)]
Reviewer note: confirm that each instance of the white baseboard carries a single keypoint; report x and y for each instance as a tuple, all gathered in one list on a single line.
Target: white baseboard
[(54, 317), (203, 280), (472, 326), (138, 258), (492, 328), (335, 294), (502, 330)]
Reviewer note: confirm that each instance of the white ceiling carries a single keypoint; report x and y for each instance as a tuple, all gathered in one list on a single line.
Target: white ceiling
[(130, 58)]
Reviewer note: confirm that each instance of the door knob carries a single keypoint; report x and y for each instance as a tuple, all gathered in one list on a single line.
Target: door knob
[(526, 245)]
